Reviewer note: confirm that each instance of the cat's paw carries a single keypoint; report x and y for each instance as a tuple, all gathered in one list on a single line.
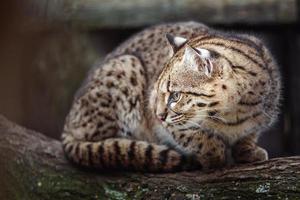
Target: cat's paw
[(260, 154), (250, 155)]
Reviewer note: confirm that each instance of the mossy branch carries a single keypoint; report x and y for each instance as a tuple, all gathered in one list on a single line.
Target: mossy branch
[(33, 167)]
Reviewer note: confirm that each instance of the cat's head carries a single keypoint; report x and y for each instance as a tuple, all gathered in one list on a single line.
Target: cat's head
[(196, 84)]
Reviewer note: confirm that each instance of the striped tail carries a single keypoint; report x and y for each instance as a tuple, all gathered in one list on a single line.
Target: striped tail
[(121, 153)]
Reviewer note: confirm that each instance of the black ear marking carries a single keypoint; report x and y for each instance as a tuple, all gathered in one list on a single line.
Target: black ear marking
[(176, 42)]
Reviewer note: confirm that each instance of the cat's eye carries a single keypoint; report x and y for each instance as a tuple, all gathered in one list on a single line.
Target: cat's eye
[(174, 97)]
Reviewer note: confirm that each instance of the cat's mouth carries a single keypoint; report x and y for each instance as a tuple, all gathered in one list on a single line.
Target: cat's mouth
[(170, 121)]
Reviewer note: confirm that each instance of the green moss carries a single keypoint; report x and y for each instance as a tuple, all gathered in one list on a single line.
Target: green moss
[(121, 191), (114, 194), (44, 183), (140, 192), (263, 188), (36, 182), (182, 188)]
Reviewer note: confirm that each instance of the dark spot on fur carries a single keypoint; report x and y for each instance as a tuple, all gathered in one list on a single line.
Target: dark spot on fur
[(125, 91), (128, 133), (151, 35), (141, 72), (200, 146), (133, 81), (218, 137), (173, 134), (224, 87), (213, 104), (212, 113), (209, 154), (132, 60), (110, 84), (189, 139), (262, 83), (252, 73), (133, 102), (100, 124), (119, 76), (201, 104), (109, 73), (103, 104)]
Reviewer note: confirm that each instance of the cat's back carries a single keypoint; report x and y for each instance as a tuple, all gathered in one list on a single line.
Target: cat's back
[(150, 46)]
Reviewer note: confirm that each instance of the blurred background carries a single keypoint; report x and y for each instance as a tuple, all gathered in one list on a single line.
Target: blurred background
[(47, 47)]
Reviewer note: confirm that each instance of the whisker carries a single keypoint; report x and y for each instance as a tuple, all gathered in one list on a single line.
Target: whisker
[(176, 117), (215, 108), (266, 114), (199, 115), (202, 117), (185, 126), (193, 123)]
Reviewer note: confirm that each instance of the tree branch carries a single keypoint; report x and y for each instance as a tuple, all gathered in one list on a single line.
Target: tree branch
[(33, 166)]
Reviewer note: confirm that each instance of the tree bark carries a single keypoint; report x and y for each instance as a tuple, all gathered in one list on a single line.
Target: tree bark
[(33, 167), (133, 13)]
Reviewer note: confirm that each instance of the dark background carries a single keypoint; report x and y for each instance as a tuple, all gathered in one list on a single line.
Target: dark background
[(46, 50)]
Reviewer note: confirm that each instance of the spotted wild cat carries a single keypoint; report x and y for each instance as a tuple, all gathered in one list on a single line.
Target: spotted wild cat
[(175, 97)]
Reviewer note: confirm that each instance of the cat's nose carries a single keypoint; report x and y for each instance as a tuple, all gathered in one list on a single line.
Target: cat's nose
[(162, 116)]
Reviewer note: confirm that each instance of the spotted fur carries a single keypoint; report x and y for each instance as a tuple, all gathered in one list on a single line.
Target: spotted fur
[(175, 97)]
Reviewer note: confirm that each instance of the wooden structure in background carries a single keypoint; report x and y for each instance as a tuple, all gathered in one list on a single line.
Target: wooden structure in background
[(137, 13)]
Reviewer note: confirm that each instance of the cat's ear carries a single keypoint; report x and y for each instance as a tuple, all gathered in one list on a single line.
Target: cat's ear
[(176, 42), (198, 60)]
